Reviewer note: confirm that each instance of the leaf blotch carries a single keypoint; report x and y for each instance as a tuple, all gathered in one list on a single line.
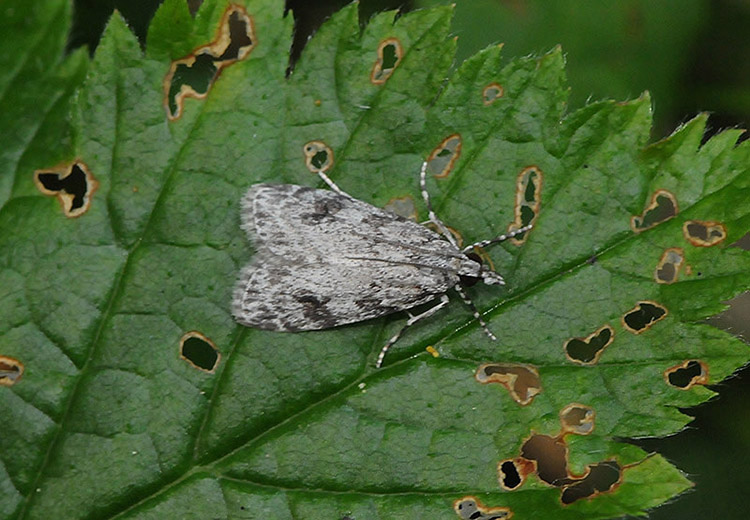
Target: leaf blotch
[(390, 53), (662, 207), (547, 456), (318, 156), (11, 371), (528, 201), (199, 351), (687, 374), (704, 233), (577, 419), (588, 350), (193, 75), (470, 508), (522, 381), (600, 478), (444, 156), (550, 454), (669, 265), (403, 207), (492, 93), (73, 185), (642, 316)]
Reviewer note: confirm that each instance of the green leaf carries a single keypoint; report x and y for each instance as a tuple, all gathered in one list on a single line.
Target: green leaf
[(107, 419)]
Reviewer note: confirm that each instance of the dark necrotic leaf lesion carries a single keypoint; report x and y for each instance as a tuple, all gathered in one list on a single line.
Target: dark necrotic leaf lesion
[(193, 75), (73, 184), (643, 316)]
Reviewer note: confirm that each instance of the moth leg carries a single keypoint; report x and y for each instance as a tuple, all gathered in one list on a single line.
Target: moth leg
[(332, 184), (411, 321), (497, 239), (477, 316), (433, 217)]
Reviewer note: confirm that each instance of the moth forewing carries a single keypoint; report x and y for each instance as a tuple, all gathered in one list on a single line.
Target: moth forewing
[(324, 258)]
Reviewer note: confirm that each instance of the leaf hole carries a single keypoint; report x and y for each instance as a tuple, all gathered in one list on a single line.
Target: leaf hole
[(662, 207), (492, 93), (588, 350), (11, 371), (528, 201), (470, 508), (444, 156), (577, 419), (390, 53), (521, 381), (642, 316), (704, 234), (199, 351), (687, 374), (72, 184), (318, 156), (600, 478), (194, 75), (551, 457), (669, 265), (513, 472)]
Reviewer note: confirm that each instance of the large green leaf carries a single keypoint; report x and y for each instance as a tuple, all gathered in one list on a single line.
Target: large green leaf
[(107, 420)]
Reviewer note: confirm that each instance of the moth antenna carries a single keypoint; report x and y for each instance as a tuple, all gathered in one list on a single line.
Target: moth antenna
[(497, 239), (477, 316), (433, 217), (332, 184), (411, 321)]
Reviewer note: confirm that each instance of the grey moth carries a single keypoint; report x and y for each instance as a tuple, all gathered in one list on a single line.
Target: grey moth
[(324, 259)]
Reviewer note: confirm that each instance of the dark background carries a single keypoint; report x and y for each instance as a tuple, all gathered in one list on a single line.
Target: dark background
[(692, 55)]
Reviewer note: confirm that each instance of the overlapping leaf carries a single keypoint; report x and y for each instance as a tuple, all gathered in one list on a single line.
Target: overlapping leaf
[(108, 420)]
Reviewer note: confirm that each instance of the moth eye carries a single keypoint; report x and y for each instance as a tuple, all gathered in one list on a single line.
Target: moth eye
[(475, 257), (466, 280)]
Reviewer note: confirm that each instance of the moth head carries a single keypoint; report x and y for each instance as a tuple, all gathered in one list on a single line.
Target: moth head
[(484, 273)]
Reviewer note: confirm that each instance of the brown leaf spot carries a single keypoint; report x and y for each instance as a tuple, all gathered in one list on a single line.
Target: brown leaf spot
[(687, 374), (444, 156), (704, 233), (193, 75), (470, 508), (600, 478), (390, 53), (577, 419), (73, 185), (662, 207), (318, 156), (522, 381), (551, 457), (492, 93), (588, 350), (199, 351), (528, 201), (669, 265), (11, 371), (403, 207), (643, 316)]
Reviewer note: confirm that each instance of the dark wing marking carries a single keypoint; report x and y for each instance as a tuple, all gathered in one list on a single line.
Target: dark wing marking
[(277, 295)]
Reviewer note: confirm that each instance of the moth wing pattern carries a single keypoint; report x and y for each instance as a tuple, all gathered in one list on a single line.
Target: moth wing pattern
[(324, 259), (292, 220)]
